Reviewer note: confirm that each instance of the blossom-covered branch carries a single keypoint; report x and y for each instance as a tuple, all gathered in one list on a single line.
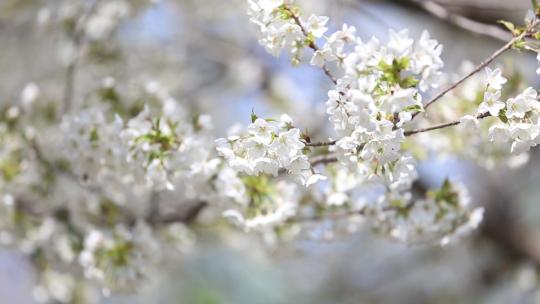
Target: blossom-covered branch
[(512, 43)]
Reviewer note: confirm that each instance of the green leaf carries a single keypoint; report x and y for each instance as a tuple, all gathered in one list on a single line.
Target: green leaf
[(414, 108), (392, 72), (408, 82), (502, 116), (510, 26), (447, 194), (519, 44), (253, 116), (94, 135), (534, 4), (400, 207)]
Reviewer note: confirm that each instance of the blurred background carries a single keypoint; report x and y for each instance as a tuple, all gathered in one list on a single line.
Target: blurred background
[(206, 53)]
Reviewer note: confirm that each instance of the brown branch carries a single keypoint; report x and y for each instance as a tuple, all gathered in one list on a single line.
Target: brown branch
[(71, 70), (186, 217), (442, 126), (320, 144), (323, 160), (320, 217), (344, 215)]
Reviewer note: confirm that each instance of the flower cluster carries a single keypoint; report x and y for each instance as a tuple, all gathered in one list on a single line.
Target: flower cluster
[(334, 47), (443, 216), (520, 123), (90, 142), (283, 29), (161, 150), (379, 93), (156, 144), (110, 257), (269, 204), (492, 103), (518, 117), (375, 97), (267, 147)]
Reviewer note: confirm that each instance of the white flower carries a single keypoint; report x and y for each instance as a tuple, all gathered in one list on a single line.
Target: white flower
[(299, 164), (265, 165), (499, 133), (255, 148), (287, 144), (494, 78), (403, 174), (320, 57), (469, 122), (383, 151), (316, 25), (491, 103), (268, 147), (269, 5), (427, 61), (524, 136), (400, 43), (337, 199), (106, 18), (401, 99), (29, 94), (279, 205), (521, 104), (312, 178), (347, 34), (262, 131)]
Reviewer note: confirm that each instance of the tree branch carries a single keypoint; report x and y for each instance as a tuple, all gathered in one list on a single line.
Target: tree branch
[(320, 144), (442, 126), (71, 70), (323, 160), (186, 217)]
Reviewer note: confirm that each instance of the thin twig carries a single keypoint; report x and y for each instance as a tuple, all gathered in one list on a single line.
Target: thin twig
[(482, 65), (320, 144), (442, 126), (323, 159), (320, 217), (346, 214), (186, 217), (71, 70)]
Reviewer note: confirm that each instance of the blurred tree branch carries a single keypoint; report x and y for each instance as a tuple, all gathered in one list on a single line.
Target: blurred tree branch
[(503, 229), (79, 42), (439, 11)]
